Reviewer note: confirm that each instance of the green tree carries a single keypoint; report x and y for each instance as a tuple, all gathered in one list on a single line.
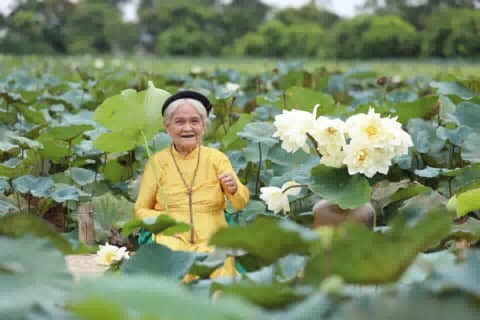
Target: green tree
[(415, 11), (309, 13), (447, 37), (36, 27), (373, 37), (97, 26), (157, 17)]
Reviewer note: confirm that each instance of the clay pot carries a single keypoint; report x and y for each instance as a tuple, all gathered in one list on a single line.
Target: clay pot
[(326, 213)]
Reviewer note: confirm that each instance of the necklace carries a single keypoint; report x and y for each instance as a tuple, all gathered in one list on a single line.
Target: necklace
[(189, 188)]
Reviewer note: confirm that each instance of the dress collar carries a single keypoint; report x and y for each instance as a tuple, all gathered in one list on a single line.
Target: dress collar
[(192, 155)]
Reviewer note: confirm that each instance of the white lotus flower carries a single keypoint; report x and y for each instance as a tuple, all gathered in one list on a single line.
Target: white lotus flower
[(275, 199), (400, 139), (231, 87), (366, 160), (292, 127), (332, 156), (369, 129), (110, 254), (98, 63), (329, 131)]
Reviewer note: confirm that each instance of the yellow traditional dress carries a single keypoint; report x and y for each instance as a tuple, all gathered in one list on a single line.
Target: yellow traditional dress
[(162, 187)]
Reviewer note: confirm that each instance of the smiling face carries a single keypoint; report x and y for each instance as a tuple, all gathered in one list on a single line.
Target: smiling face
[(185, 128)]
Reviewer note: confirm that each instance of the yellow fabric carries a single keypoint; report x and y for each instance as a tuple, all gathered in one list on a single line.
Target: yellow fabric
[(162, 187)]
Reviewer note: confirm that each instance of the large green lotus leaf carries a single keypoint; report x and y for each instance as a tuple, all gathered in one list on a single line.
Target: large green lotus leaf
[(74, 98), (7, 147), (415, 208), (204, 267), (402, 96), (13, 168), (297, 78), (471, 148), (259, 132), (387, 192), (416, 109), (110, 209), (4, 185), (36, 186), (19, 224), (447, 109), (159, 260), (340, 188), (361, 256), (26, 143), (82, 176), (147, 297), (69, 132), (268, 296), (424, 136), (133, 110), (467, 201), (295, 166), (162, 224), (65, 192), (115, 172), (31, 273), (468, 114), (267, 239), (231, 140), (464, 276), (452, 88), (53, 149), (32, 115), (456, 136), (305, 99), (413, 304), (118, 141)]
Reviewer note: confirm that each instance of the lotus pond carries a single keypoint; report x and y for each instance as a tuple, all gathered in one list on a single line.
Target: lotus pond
[(78, 131)]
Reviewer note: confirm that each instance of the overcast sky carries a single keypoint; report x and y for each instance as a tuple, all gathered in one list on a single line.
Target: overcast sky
[(342, 7)]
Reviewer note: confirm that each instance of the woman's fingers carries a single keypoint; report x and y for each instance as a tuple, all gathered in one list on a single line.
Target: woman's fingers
[(228, 182)]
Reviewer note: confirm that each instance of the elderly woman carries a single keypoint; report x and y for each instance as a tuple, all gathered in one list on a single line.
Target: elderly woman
[(188, 181)]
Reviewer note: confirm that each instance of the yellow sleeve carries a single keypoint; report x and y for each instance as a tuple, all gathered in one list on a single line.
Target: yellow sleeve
[(239, 199), (145, 204)]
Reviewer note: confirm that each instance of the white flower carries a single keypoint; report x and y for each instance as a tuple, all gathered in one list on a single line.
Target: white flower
[(329, 131), (231, 87), (110, 254), (332, 156), (98, 63), (292, 127), (366, 160), (275, 199), (400, 139), (369, 129)]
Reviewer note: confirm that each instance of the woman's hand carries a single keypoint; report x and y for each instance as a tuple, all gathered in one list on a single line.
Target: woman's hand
[(228, 182)]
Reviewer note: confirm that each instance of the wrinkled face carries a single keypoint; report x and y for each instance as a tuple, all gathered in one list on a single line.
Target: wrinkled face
[(185, 127)]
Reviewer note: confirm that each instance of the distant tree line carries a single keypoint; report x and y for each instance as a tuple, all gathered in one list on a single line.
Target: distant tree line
[(387, 28)]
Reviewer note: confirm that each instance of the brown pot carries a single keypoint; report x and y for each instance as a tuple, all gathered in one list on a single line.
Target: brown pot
[(326, 213)]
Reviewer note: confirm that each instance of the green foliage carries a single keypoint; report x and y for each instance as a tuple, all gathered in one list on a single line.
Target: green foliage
[(374, 37), (447, 37), (33, 274), (364, 257)]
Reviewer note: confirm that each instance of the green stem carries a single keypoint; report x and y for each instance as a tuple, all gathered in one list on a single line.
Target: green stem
[(315, 144), (257, 182)]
